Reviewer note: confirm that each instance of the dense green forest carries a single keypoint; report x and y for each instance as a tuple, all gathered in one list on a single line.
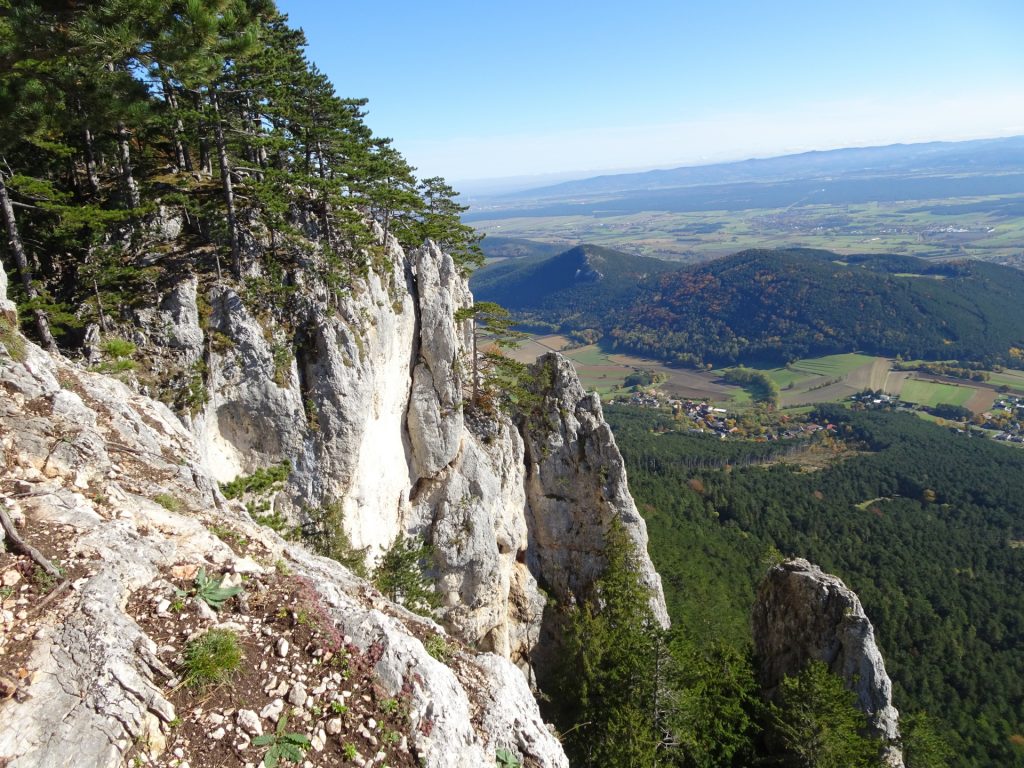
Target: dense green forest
[(923, 523), (575, 289), (775, 306), (149, 137), (783, 305)]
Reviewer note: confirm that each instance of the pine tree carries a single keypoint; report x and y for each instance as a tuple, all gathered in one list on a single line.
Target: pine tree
[(401, 575), (818, 723), (495, 378), (608, 686)]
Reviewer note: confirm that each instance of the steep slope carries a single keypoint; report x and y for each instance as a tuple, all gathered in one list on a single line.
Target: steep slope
[(110, 486), (367, 408)]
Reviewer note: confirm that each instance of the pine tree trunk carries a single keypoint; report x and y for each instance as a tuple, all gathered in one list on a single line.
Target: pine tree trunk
[(90, 161), (131, 187), (205, 163), (229, 193), (21, 260), (177, 129)]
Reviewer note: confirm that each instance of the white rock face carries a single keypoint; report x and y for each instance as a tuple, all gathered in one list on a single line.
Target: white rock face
[(366, 402), (435, 413), (575, 485), (475, 512), (6, 306), (802, 613), (96, 685)]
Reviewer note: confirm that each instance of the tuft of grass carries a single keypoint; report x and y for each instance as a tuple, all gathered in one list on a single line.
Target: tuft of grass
[(439, 648), (212, 659), (12, 341), (168, 502)]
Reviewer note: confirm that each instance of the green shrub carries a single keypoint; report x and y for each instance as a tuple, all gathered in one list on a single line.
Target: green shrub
[(118, 348), (264, 479), (212, 659), (209, 591), (283, 745), (402, 577)]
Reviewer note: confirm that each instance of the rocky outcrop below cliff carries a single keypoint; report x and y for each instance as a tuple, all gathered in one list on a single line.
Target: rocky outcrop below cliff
[(801, 614), (97, 661)]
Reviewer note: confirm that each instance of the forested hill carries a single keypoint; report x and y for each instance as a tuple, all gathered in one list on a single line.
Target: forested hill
[(769, 305), (785, 304), (139, 137), (576, 288)]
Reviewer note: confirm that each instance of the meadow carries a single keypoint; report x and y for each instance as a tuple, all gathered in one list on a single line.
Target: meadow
[(985, 227), (803, 383)]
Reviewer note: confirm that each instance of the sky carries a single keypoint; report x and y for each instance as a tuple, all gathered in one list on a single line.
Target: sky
[(473, 90)]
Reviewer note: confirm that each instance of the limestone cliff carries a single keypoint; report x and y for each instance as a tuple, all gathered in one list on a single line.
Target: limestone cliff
[(803, 614), (363, 395), (108, 484), (365, 399)]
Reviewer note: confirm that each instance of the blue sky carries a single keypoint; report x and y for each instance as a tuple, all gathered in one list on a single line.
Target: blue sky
[(475, 90)]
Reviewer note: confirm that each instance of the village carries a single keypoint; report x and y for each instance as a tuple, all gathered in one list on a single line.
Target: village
[(703, 417)]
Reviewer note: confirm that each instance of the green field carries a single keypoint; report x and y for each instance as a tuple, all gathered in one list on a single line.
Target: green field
[(802, 384), (923, 228), (930, 394), (1008, 378), (809, 371)]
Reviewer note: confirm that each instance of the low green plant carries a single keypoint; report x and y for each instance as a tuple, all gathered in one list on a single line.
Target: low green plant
[(44, 580), (389, 706), (349, 751), (212, 658), (168, 502), (229, 536), (12, 341), (283, 745), (338, 708), (507, 759), (264, 479), (209, 591), (439, 648)]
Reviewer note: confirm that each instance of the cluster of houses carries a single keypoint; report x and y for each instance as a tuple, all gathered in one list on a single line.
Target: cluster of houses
[(875, 399), (1007, 416), (706, 418)]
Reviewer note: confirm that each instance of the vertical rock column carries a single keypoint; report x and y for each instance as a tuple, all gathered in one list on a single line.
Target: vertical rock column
[(802, 614)]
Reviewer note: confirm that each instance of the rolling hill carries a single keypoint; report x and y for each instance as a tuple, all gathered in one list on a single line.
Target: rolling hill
[(773, 305), (574, 289)]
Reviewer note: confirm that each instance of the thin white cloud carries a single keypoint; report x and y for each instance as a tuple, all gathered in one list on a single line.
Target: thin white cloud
[(736, 135)]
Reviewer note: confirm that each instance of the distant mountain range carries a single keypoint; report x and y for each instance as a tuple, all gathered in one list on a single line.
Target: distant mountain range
[(768, 305), (984, 156)]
